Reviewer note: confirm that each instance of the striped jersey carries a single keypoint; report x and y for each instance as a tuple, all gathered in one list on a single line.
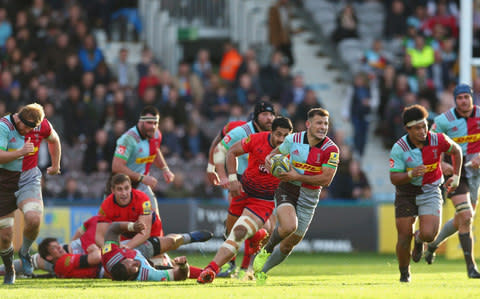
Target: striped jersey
[(139, 152), (463, 130), (236, 135), (309, 160), (11, 140), (405, 156), (257, 180)]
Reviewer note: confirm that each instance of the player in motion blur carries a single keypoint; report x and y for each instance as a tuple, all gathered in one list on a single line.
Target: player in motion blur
[(461, 124), (314, 159), (263, 116), (416, 173), (20, 136), (136, 151), (252, 198)]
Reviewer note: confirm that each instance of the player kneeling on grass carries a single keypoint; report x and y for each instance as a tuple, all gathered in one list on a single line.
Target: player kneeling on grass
[(127, 264), (416, 173)]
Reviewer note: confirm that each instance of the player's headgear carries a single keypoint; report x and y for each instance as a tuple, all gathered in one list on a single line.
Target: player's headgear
[(462, 88), (262, 107), (413, 115)]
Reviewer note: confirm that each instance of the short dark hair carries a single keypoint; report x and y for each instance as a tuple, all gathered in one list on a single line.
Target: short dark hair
[(120, 178), (282, 122), (317, 111), (119, 272), (43, 247), (414, 112), (149, 110)]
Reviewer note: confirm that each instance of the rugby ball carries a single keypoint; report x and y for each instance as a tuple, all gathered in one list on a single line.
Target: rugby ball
[(280, 163)]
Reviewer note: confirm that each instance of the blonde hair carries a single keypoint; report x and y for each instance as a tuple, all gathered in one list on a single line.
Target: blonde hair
[(32, 112)]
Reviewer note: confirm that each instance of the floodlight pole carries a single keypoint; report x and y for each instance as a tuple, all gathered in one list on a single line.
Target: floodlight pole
[(466, 36)]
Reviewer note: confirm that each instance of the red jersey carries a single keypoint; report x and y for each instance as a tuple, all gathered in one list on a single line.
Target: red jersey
[(256, 180), (113, 254), (232, 125), (138, 206), (90, 229), (68, 266), (36, 136)]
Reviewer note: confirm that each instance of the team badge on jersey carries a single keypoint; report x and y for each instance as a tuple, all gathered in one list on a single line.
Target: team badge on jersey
[(67, 261), (392, 163), (121, 149), (107, 248), (147, 208), (248, 139), (333, 160), (227, 139)]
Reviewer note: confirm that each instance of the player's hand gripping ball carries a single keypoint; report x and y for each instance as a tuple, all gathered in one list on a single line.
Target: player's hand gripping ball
[(280, 163)]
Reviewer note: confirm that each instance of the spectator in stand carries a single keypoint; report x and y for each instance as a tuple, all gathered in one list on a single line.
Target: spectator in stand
[(249, 56), (295, 92), (125, 71), (146, 61), (279, 29), (395, 21), (171, 145), (202, 67), (90, 55), (385, 86), (310, 101), (98, 150), (230, 63), (27, 72), (166, 83), (216, 102), (70, 192), (195, 143), (15, 100), (375, 59), (102, 74), (443, 17), (152, 79), (87, 87), (70, 73), (73, 111), (245, 94), (5, 27), (270, 76), (346, 24), (56, 54), (422, 55), (188, 85), (178, 189)]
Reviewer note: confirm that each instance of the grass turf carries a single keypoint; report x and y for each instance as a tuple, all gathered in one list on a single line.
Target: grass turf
[(301, 276)]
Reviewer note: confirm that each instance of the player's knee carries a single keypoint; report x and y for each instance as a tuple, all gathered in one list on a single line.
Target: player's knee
[(288, 228), (239, 233), (404, 240), (32, 220), (33, 213)]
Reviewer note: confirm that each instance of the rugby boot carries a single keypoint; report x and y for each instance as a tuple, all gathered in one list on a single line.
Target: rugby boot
[(260, 260), (405, 277), (26, 264), (200, 236), (430, 255), (257, 241), (261, 278), (207, 276), (417, 251), (227, 270), (245, 275), (9, 277), (473, 272)]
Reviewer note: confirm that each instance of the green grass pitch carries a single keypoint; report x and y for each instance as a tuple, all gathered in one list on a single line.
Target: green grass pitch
[(301, 276)]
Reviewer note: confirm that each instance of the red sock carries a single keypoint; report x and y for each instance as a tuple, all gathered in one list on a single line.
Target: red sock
[(260, 234), (195, 272), (246, 257), (213, 266)]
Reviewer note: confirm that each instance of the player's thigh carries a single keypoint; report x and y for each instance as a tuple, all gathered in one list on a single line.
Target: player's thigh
[(259, 209), (404, 225)]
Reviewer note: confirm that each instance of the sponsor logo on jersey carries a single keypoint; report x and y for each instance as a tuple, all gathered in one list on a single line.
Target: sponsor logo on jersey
[(307, 167), (67, 261), (296, 152), (467, 139), (107, 248), (121, 149), (428, 168), (13, 140), (333, 160), (227, 139), (144, 160), (454, 129), (409, 159), (248, 139), (147, 208)]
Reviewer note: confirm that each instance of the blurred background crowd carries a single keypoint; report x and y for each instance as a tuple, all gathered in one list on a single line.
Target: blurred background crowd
[(49, 55)]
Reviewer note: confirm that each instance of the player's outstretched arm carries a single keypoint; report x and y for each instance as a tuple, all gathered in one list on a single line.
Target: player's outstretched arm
[(117, 228), (211, 174), (233, 184), (55, 150)]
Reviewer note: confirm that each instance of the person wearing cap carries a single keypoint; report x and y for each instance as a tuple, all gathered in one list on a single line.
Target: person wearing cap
[(461, 124), (20, 137), (314, 159), (136, 151), (263, 116), (416, 173)]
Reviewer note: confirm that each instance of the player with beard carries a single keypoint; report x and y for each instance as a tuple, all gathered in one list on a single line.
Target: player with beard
[(252, 202), (263, 116), (314, 159), (136, 151)]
